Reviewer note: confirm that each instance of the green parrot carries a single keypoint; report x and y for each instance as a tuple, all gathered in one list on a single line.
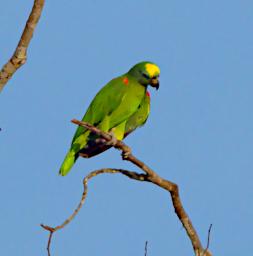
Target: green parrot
[(119, 107)]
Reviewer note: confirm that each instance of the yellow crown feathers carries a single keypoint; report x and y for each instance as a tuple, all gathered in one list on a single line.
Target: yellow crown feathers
[(152, 69)]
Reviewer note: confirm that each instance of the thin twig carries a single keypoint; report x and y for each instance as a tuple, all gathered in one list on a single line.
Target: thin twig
[(146, 248), (208, 239), (49, 243), (19, 57)]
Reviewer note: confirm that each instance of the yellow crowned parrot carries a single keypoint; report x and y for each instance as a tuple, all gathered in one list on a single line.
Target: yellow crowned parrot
[(119, 107)]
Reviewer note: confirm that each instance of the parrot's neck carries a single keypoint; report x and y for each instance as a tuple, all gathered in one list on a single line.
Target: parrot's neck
[(135, 80)]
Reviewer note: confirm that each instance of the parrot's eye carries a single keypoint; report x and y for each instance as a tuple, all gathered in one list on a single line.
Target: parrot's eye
[(145, 75)]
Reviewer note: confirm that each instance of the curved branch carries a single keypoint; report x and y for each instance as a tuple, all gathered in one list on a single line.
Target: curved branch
[(153, 177), (20, 55), (149, 176), (132, 175)]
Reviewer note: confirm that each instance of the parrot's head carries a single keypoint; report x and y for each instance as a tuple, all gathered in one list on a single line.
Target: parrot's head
[(146, 73)]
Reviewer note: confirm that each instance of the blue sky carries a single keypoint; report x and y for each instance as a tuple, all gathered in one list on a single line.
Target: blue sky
[(199, 133)]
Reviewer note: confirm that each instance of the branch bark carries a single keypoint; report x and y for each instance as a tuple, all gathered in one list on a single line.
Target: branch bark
[(149, 176), (19, 57)]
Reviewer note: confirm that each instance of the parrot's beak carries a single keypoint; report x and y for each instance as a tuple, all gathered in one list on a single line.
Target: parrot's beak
[(155, 83)]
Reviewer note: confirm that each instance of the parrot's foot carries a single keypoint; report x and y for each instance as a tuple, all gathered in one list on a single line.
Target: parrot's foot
[(113, 141), (100, 141), (125, 154)]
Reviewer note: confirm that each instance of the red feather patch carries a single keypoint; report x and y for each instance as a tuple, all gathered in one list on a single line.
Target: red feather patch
[(148, 94), (125, 80)]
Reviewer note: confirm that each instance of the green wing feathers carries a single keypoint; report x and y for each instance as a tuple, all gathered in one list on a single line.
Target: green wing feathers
[(72, 155), (140, 117), (68, 163)]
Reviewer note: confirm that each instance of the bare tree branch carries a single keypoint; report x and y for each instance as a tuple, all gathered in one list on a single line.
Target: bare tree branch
[(132, 175), (156, 179), (149, 176), (20, 55)]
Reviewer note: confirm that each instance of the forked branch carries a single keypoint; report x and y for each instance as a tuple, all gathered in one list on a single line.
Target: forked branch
[(20, 55), (150, 176)]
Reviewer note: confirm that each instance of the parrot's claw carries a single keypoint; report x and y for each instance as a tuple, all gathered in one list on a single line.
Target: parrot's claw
[(113, 141), (100, 140), (125, 154)]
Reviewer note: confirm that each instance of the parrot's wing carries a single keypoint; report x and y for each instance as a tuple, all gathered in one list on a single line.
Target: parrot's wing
[(111, 104), (140, 117), (136, 120)]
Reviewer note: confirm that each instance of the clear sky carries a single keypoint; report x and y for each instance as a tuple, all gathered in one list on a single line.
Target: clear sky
[(199, 133)]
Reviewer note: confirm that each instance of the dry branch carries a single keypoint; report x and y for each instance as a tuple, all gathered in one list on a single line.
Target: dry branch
[(20, 55), (132, 175), (149, 176)]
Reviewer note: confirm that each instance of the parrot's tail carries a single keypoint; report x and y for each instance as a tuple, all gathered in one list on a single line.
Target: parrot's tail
[(68, 163)]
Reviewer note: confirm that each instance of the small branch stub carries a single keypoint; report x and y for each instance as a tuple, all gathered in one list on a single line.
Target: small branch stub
[(146, 248)]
